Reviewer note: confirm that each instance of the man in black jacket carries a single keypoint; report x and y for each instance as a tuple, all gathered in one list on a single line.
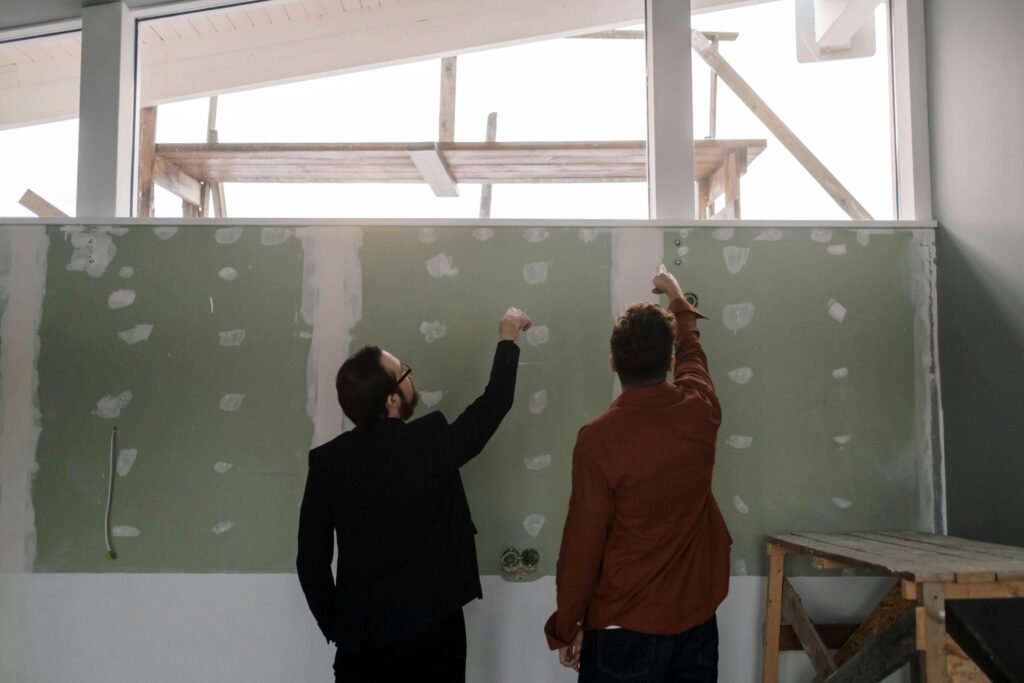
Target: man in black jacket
[(390, 491)]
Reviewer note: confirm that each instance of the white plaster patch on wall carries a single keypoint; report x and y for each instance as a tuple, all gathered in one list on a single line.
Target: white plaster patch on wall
[(431, 398), (821, 235), (228, 273), (483, 234), (535, 234), (432, 331), (126, 272), (221, 527), (139, 333), (538, 401), (110, 407), (533, 523), (94, 249), (125, 531), (741, 375), (843, 439), (836, 311), (125, 460), (769, 235), (537, 335), (723, 234), (836, 249), (737, 316), (272, 237), (739, 441), (121, 298), (227, 235), (165, 232), (426, 235), (441, 265), (232, 337), (841, 373), (740, 505), (537, 462), (536, 273), (231, 402), (842, 503), (222, 467), (735, 258)]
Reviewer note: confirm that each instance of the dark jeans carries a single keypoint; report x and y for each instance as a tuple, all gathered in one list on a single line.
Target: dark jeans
[(615, 655), (436, 655)]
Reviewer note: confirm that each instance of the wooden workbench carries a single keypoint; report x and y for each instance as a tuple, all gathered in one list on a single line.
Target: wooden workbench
[(909, 624)]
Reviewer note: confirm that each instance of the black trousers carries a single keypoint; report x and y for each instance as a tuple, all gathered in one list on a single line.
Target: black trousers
[(435, 655), (621, 655)]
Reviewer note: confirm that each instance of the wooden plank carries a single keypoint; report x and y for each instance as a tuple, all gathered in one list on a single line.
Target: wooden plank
[(446, 116), (786, 136), (772, 615), (432, 167), (933, 659), (886, 653), (39, 206), (793, 611), (486, 190), (147, 159), (176, 181), (985, 591), (832, 635)]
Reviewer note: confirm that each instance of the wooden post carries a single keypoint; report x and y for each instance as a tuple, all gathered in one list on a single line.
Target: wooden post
[(446, 122), (772, 615), (147, 157), (931, 632), (485, 189)]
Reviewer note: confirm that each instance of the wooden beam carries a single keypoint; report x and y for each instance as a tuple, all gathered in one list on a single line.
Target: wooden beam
[(486, 188), (835, 21), (793, 611), (446, 122), (147, 159), (430, 163), (176, 181), (39, 206), (886, 653), (779, 129)]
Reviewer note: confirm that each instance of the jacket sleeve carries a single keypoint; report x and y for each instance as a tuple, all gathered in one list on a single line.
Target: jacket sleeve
[(316, 549), (474, 427), (691, 365)]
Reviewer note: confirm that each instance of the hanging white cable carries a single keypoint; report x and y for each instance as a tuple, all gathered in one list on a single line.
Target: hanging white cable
[(110, 495)]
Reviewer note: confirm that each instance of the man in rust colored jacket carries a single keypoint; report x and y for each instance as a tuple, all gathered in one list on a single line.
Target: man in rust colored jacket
[(644, 562)]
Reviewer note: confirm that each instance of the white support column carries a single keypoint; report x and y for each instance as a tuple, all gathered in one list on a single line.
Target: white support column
[(106, 111), (910, 94), (669, 110)]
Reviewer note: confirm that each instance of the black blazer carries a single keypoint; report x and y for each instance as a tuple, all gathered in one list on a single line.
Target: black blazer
[(393, 496)]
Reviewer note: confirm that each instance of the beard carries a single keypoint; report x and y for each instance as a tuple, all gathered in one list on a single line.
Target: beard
[(408, 407)]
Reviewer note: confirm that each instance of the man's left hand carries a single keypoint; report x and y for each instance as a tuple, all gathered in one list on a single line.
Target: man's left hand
[(569, 656)]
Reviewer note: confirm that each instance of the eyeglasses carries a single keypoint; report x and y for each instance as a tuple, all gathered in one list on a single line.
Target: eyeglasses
[(406, 371)]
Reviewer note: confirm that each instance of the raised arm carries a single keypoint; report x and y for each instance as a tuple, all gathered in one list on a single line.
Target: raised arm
[(691, 365)]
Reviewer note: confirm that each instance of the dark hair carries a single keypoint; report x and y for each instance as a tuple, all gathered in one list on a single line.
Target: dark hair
[(642, 344), (363, 387)]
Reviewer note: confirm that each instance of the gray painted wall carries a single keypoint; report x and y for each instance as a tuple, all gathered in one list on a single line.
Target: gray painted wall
[(976, 93)]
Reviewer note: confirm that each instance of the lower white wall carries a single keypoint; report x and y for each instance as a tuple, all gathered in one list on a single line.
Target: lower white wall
[(254, 628)]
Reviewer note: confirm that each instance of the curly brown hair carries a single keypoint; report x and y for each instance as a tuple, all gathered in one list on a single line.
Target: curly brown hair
[(641, 344)]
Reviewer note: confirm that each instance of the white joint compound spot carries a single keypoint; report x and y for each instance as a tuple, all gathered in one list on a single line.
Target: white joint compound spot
[(125, 460), (533, 523), (94, 250), (841, 373), (227, 274), (739, 567), (137, 334), (431, 398), (221, 527), (723, 234), (589, 235), (272, 237), (125, 531), (121, 298), (432, 331), (735, 258), (227, 235), (842, 503), (821, 235), (427, 235), (222, 467), (231, 402), (738, 441), (769, 235), (737, 316), (682, 250), (538, 401), (165, 232), (741, 375), (126, 272), (836, 310), (843, 439), (535, 234), (110, 407), (537, 335), (536, 273), (232, 337), (537, 462), (836, 249), (441, 266), (483, 234), (740, 505)]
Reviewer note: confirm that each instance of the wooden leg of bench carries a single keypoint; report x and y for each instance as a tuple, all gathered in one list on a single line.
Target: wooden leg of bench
[(772, 616)]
